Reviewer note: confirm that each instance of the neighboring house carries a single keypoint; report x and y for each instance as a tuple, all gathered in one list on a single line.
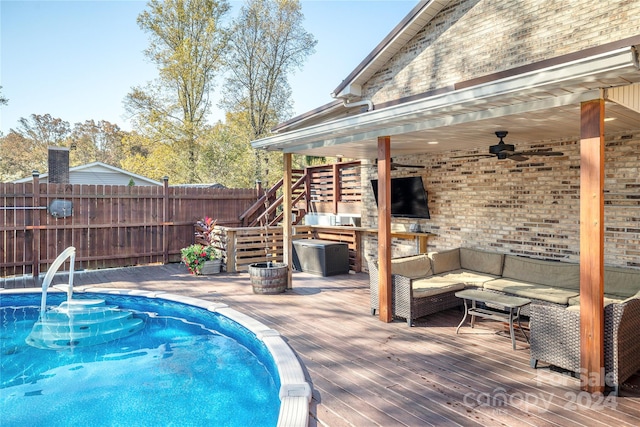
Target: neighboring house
[(98, 173)]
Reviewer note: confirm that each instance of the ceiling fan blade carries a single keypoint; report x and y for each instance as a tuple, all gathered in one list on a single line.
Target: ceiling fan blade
[(540, 153), (518, 157), (473, 155), (399, 165)]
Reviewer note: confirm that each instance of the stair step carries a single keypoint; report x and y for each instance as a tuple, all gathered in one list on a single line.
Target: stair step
[(81, 303), (58, 340), (65, 323)]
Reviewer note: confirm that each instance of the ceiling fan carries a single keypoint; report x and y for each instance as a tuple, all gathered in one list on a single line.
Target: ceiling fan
[(396, 166), (503, 150)]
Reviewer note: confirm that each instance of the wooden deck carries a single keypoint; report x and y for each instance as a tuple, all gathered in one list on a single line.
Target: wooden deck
[(366, 373)]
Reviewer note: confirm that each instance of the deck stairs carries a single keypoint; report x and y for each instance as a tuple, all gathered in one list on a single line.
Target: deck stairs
[(267, 210)]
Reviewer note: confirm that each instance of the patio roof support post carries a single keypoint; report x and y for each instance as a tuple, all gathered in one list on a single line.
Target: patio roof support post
[(592, 378), (384, 228), (336, 187), (287, 242)]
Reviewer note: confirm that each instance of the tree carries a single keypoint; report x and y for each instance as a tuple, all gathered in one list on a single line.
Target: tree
[(268, 42), (186, 43), (38, 133), (16, 161), (101, 141), (227, 157), (3, 100)]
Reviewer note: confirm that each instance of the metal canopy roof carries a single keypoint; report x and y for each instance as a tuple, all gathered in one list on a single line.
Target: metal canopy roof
[(536, 105)]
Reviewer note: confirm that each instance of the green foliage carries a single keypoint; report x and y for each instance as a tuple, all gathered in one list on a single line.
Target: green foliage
[(187, 39), (26, 148), (96, 142), (19, 157), (267, 43), (194, 256), (3, 100)]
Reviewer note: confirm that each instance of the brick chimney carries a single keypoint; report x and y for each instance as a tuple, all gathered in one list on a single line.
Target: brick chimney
[(58, 165)]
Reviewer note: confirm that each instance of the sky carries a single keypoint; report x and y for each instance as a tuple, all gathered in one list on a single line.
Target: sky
[(77, 60)]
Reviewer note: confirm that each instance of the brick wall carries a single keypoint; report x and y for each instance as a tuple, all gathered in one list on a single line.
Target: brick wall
[(473, 38), (529, 208)]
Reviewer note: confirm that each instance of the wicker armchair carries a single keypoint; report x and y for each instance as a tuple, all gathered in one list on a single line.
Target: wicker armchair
[(555, 339), (404, 305)]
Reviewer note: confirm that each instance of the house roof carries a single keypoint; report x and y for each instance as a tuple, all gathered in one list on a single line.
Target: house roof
[(534, 102), (99, 173), (415, 20)]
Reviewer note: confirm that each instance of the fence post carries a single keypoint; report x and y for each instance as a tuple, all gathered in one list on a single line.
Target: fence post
[(165, 221), (36, 224), (231, 251), (336, 187)]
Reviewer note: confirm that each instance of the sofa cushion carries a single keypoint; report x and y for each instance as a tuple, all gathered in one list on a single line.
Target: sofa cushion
[(551, 273), (481, 261), (467, 278), (426, 287), (621, 281), (636, 296), (414, 267), (445, 260), (531, 290), (608, 299)]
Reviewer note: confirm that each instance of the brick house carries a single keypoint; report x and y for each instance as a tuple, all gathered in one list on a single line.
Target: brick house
[(558, 76)]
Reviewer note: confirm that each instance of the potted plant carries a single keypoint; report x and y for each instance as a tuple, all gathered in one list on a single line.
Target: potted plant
[(205, 231), (206, 237), (201, 259)]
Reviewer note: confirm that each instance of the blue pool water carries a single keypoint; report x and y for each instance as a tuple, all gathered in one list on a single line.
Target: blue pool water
[(188, 366)]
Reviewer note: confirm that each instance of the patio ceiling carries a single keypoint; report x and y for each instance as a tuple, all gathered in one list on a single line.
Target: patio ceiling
[(537, 105)]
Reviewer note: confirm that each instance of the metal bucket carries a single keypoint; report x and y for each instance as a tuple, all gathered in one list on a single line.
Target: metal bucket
[(269, 278)]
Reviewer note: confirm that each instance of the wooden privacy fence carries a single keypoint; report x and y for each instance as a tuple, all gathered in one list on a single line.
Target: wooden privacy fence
[(110, 226), (335, 188)]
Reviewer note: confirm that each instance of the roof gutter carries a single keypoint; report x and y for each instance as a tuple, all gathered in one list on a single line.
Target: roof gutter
[(574, 72), (366, 102)]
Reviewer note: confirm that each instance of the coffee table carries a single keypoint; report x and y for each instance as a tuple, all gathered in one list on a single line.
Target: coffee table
[(511, 304)]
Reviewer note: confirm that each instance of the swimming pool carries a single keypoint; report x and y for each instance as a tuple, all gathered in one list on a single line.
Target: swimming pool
[(194, 363)]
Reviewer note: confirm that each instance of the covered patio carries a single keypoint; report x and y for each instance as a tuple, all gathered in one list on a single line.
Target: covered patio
[(559, 103), (368, 373)]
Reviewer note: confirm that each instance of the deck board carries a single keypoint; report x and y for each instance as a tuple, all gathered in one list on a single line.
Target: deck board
[(365, 372)]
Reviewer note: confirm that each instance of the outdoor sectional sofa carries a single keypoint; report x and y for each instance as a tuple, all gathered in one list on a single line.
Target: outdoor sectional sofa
[(426, 283)]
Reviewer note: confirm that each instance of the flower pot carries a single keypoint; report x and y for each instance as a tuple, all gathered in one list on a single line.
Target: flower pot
[(269, 278), (211, 267)]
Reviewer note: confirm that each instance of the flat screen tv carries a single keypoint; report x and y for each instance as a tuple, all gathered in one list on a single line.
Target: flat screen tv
[(408, 197)]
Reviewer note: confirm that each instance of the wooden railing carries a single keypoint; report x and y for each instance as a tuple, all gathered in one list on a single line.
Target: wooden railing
[(334, 188), (243, 246), (265, 210)]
